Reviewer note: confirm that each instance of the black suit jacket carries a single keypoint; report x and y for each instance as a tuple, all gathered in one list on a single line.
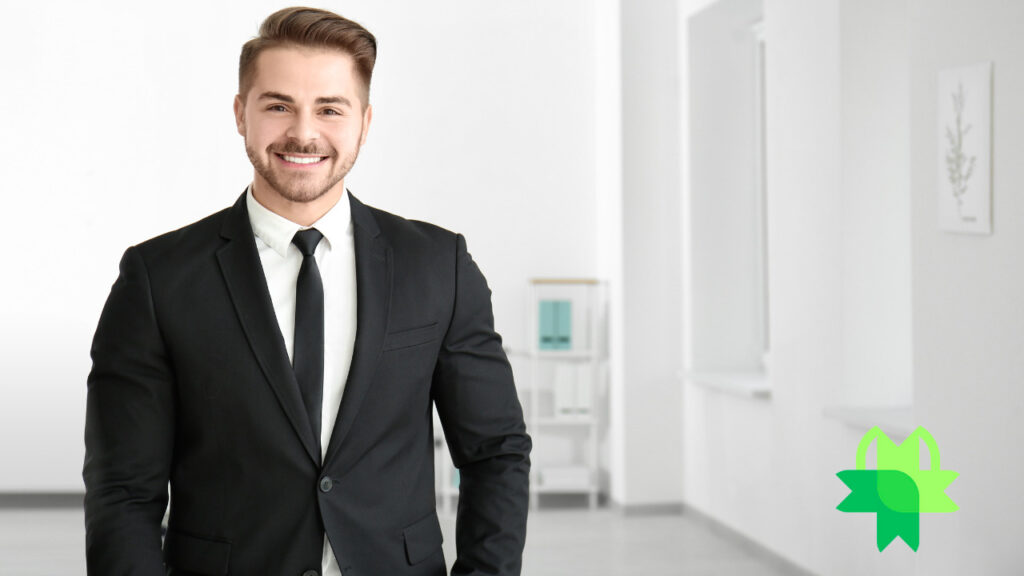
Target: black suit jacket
[(191, 384)]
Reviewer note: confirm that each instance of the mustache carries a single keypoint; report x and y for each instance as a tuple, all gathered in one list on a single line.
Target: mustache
[(293, 148)]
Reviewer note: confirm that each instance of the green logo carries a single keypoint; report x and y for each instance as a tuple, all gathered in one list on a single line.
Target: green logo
[(898, 491)]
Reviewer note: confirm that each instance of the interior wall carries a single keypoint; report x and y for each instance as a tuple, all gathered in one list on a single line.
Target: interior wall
[(968, 319), (852, 168), (726, 287), (608, 232), (120, 128), (651, 394), (875, 175), (766, 468)]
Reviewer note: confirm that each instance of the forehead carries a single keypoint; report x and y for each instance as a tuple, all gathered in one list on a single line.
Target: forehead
[(305, 73)]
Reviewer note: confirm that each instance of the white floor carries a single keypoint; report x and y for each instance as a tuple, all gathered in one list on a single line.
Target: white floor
[(50, 542)]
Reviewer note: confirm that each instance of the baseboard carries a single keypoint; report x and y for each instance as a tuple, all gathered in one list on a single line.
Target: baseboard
[(41, 500)]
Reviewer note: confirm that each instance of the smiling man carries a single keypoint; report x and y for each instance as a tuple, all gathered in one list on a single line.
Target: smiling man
[(304, 114), (277, 362)]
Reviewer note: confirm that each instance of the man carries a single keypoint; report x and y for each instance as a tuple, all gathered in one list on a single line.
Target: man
[(276, 362)]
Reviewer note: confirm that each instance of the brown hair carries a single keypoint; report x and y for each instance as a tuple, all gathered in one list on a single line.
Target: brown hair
[(310, 28)]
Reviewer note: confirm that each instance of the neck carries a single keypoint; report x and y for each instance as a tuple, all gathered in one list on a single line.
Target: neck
[(302, 213)]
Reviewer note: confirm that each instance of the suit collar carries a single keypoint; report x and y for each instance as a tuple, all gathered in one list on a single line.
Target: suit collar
[(277, 231), (236, 223), (374, 278), (243, 274), (362, 217)]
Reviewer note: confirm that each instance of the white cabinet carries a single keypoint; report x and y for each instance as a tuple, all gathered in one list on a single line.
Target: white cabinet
[(561, 377), (566, 363)]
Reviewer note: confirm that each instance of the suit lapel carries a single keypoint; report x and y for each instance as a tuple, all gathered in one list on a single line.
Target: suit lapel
[(373, 301), (243, 273)]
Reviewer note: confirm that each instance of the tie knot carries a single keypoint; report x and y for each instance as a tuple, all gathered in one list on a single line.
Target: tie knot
[(307, 240)]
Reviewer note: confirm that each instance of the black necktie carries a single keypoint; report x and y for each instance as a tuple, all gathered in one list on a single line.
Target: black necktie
[(308, 354)]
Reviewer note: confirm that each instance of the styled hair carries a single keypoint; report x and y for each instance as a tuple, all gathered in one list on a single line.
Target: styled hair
[(310, 28)]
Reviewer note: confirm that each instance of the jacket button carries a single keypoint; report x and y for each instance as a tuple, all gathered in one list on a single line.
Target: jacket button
[(310, 573), (325, 486)]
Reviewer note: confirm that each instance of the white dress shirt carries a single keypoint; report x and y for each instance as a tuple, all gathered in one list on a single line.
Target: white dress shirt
[(335, 256)]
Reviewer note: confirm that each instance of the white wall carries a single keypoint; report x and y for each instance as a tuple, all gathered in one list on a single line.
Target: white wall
[(726, 288), (767, 468), (118, 127), (852, 163), (875, 173), (968, 316), (608, 226), (650, 428)]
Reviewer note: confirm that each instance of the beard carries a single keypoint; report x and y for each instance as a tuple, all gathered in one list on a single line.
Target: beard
[(298, 187)]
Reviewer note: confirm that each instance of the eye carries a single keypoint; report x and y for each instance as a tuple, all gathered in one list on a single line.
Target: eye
[(331, 112), (276, 108)]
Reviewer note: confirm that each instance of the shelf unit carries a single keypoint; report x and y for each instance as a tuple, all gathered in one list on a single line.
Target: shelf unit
[(576, 371), (574, 471)]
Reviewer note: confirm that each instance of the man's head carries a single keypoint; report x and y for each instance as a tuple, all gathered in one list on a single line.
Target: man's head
[(314, 29), (303, 103)]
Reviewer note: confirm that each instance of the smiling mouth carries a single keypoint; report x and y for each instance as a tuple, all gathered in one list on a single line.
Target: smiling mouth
[(301, 160)]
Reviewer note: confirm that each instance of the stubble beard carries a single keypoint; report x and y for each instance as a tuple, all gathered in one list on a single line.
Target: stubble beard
[(302, 188)]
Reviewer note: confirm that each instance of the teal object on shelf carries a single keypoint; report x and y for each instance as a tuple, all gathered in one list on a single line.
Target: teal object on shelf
[(555, 325)]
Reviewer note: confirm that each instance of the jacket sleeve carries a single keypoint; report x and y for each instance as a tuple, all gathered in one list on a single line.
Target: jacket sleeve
[(483, 423), (129, 431)]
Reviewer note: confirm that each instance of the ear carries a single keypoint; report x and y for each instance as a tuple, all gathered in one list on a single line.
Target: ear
[(239, 115), (367, 117)]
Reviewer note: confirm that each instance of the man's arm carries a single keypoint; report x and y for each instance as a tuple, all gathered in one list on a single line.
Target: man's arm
[(483, 424), (129, 431)]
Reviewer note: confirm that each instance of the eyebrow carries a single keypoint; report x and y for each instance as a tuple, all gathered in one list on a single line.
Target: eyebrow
[(321, 100)]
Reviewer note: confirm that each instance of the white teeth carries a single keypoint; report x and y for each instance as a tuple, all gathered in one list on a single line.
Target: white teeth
[(302, 160)]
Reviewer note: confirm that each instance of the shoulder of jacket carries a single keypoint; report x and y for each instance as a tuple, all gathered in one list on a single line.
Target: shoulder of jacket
[(190, 237), (400, 230)]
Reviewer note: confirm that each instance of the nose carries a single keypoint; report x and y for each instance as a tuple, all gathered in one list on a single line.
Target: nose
[(303, 128)]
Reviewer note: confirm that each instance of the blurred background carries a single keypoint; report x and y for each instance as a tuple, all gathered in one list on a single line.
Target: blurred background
[(711, 230)]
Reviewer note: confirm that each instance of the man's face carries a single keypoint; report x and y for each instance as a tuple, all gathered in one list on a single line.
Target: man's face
[(303, 121)]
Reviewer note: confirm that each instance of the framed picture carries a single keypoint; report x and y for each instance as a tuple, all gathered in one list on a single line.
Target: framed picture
[(965, 149)]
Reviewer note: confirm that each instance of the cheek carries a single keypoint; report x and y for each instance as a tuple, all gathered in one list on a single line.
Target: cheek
[(346, 137), (260, 133)]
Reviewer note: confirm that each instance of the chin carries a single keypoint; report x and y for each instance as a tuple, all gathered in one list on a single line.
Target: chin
[(299, 192), (303, 196)]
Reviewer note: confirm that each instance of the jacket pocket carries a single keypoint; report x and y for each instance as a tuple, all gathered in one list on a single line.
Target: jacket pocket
[(422, 538), (410, 337), (194, 554)]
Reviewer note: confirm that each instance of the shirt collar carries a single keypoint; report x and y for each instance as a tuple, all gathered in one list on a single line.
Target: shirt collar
[(277, 231)]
